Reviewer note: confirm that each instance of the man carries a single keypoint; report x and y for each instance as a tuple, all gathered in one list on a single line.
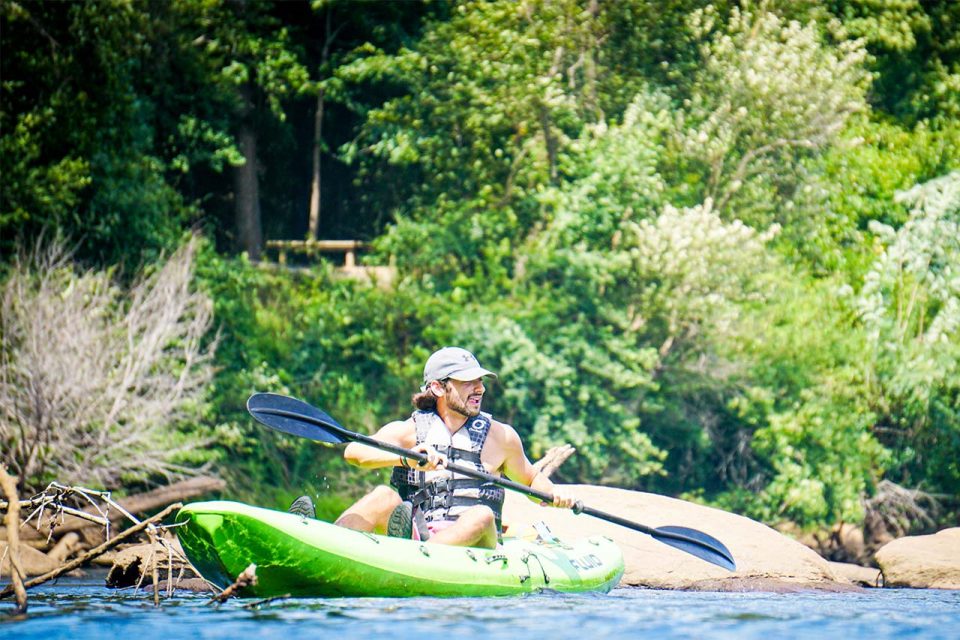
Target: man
[(447, 426)]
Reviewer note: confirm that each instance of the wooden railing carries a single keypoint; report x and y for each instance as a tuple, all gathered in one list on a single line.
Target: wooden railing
[(381, 275), (348, 248)]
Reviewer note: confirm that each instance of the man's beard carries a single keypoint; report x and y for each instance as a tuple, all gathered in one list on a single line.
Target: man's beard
[(459, 406)]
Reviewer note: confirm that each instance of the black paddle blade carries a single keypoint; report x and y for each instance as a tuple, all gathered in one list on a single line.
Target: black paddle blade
[(709, 549), (295, 417)]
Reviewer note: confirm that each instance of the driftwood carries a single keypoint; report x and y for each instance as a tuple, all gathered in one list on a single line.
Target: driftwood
[(65, 547), (12, 521), (91, 516), (133, 565), (260, 603), (246, 578), (106, 546)]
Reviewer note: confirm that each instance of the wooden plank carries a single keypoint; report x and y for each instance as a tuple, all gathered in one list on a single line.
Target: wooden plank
[(312, 246)]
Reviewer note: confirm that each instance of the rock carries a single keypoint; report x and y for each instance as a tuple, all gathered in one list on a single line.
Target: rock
[(846, 544), (922, 562), (194, 585), (65, 547), (766, 560), (856, 574), (33, 561)]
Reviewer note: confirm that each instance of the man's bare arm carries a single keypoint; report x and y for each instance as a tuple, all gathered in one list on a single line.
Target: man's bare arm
[(517, 467), (400, 433)]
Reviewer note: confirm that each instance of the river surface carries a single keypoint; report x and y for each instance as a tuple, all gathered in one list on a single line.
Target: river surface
[(77, 609)]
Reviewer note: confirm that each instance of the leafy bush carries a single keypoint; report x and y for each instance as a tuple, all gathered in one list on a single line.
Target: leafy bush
[(910, 310)]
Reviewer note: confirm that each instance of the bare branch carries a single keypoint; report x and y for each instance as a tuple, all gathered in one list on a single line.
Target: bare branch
[(92, 378), (96, 551)]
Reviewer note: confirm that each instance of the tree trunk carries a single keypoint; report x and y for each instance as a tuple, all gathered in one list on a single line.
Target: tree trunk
[(314, 227), (247, 186)]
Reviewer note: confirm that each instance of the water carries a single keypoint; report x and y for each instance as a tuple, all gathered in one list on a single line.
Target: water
[(77, 609)]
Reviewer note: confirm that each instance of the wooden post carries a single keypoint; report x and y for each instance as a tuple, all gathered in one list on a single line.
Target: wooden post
[(12, 520)]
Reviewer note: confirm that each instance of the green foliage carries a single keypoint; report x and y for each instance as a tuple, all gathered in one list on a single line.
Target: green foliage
[(917, 52), (812, 451), (768, 94), (79, 153), (32, 188), (910, 310), (334, 343), (491, 102), (686, 234)]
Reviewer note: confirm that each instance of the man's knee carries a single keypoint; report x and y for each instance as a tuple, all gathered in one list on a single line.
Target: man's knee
[(385, 496), (482, 515)]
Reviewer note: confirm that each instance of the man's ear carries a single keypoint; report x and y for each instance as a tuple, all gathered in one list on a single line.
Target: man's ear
[(437, 388)]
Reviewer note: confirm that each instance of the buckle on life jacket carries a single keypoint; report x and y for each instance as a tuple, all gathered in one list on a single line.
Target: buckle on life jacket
[(439, 485), (444, 500)]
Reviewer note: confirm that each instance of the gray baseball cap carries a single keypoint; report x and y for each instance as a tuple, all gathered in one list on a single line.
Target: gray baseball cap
[(453, 362)]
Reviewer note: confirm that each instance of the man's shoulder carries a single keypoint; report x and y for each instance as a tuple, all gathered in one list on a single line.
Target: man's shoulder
[(502, 429), (399, 425)]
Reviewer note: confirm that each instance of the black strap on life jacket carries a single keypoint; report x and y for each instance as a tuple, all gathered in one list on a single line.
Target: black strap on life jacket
[(436, 497)]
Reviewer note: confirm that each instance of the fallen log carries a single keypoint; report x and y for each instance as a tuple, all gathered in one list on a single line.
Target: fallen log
[(33, 562), (133, 565), (65, 547)]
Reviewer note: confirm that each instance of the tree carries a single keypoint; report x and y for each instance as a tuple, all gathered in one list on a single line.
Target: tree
[(112, 403), (489, 103), (77, 146), (255, 57), (769, 91), (910, 309)]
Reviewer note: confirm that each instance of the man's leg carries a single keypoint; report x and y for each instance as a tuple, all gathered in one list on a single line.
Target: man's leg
[(371, 512), (476, 527)]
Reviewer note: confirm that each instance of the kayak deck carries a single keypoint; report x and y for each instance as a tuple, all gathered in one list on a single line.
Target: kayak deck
[(306, 557)]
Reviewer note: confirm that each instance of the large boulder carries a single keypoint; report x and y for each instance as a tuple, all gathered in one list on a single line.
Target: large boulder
[(33, 561), (766, 560), (857, 574), (922, 562)]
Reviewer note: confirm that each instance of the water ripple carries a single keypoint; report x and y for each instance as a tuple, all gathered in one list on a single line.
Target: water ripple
[(78, 611)]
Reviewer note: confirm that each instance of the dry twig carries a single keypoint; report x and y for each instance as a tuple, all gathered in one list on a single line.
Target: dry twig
[(246, 578), (897, 511), (260, 603)]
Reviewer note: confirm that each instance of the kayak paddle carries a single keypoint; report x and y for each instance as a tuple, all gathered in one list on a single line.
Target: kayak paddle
[(298, 418)]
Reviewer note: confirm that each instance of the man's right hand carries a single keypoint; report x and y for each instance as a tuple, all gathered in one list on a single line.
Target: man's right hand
[(435, 459)]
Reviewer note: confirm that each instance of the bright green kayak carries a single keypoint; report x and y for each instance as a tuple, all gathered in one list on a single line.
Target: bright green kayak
[(304, 557)]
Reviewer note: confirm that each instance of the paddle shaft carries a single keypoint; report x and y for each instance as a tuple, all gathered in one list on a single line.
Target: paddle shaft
[(480, 475)]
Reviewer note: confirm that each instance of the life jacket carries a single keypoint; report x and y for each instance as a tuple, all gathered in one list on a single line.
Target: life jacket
[(441, 494)]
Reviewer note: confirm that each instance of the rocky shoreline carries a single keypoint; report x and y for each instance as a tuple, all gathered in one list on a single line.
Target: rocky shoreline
[(767, 560)]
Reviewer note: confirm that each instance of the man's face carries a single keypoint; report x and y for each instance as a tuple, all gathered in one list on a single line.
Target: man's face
[(464, 397)]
